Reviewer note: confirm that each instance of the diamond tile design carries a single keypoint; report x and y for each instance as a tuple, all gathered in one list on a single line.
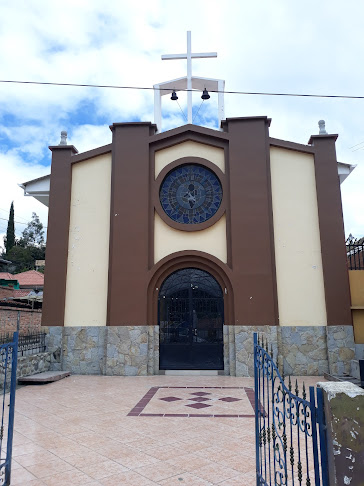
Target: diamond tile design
[(230, 399), (240, 404), (198, 405), (170, 399)]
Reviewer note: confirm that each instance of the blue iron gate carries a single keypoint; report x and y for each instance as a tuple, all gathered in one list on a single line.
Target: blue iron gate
[(8, 365), (289, 430)]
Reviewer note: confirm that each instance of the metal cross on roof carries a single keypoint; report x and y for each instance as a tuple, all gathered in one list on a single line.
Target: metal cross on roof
[(188, 83)]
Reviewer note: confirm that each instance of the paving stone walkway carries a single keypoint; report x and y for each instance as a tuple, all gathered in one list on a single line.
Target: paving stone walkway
[(136, 431)]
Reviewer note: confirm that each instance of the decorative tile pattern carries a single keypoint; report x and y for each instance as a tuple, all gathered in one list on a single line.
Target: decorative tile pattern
[(85, 422), (229, 399), (220, 402), (170, 399), (198, 405)]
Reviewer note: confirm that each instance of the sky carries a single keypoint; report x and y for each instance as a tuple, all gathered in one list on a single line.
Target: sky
[(277, 47)]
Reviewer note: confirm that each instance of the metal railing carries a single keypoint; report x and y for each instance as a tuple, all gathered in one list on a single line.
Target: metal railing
[(8, 366), (290, 430), (355, 255), (28, 344)]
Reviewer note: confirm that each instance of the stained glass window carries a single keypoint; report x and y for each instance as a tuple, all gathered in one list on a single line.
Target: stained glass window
[(190, 194)]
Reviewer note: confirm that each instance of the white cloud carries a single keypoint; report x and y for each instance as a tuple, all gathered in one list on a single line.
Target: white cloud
[(267, 46)]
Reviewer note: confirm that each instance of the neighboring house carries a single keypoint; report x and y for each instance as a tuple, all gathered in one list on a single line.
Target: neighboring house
[(24, 288), (8, 280), (30, 280)]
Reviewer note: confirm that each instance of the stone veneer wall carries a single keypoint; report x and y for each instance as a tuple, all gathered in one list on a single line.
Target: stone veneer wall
[(134, 350), (31, 365), (27, 365), (299, 350), (341, 349)]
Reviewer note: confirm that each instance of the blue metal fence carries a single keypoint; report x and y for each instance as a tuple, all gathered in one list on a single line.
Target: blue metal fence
[(290, 430), (8, 365)]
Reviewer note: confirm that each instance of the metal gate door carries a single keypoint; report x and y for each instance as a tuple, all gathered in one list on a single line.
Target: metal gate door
[(8, 365), (290, 438), (191, 316)]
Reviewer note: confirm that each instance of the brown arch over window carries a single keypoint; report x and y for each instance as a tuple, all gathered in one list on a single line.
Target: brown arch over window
[(190, 259)]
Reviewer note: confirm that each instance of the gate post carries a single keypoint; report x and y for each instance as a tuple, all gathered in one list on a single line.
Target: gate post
[(9, 447), (344, 414), (256, 411)]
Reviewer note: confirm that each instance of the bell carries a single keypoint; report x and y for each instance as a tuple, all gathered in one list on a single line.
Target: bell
[(174, 96), (205, 95)]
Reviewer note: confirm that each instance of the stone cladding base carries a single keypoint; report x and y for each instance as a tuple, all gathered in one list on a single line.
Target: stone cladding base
[(134, 350)]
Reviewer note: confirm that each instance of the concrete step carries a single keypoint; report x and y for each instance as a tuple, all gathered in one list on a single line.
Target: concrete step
[(45, 377), (350, 378)]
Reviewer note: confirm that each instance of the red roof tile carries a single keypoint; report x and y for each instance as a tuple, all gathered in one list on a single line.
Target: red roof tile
[(7, 276), (31, 277), (21, 293), (6, 293)]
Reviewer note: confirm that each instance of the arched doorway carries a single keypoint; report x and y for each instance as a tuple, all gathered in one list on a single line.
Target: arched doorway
[(191, 317)]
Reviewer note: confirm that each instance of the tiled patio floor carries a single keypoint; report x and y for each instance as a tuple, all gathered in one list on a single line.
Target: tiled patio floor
[(136, 431)]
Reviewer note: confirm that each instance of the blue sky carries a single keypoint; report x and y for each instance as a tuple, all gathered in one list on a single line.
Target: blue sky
[(281, 46)]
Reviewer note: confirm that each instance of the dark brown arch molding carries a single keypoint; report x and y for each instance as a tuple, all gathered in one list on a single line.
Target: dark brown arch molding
[(188, 259)]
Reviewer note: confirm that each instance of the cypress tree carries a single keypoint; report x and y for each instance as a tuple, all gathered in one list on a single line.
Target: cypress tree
[(10, 232)]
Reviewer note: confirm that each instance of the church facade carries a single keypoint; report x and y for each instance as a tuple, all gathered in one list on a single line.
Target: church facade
[(167, 251)]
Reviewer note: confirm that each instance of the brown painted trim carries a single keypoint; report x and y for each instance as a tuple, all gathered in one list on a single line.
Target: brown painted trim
[(190, 259), (253, 257), (271, 232), (333, 250), (173, 165), (194, 130), (129, 223), (151, 126), (57, 236), (225, 123), (227, 203), (66, 148), (327, 136), (298, 147), (105, 149), (187, 136)]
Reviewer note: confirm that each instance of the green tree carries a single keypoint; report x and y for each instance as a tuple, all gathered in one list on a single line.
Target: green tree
[(23, 258), (28, 248), (33, 235), (9, 240)]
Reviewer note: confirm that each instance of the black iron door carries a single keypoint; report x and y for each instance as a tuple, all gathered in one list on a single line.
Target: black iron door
[(191, 314)]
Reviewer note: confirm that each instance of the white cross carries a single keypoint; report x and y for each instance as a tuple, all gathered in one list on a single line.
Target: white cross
[(189, 57)]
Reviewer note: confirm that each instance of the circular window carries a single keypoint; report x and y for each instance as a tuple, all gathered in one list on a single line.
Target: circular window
[(190, 194)]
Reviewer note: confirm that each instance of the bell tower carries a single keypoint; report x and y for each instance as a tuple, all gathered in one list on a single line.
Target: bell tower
[(188, 83)]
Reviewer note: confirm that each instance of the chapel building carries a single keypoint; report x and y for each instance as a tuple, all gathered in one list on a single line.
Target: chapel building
[(166, 251)]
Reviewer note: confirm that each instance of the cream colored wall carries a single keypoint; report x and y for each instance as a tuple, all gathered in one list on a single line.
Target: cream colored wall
[(300, 283), (168, 240), (356, 279), (88, 244), (189, 149)]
